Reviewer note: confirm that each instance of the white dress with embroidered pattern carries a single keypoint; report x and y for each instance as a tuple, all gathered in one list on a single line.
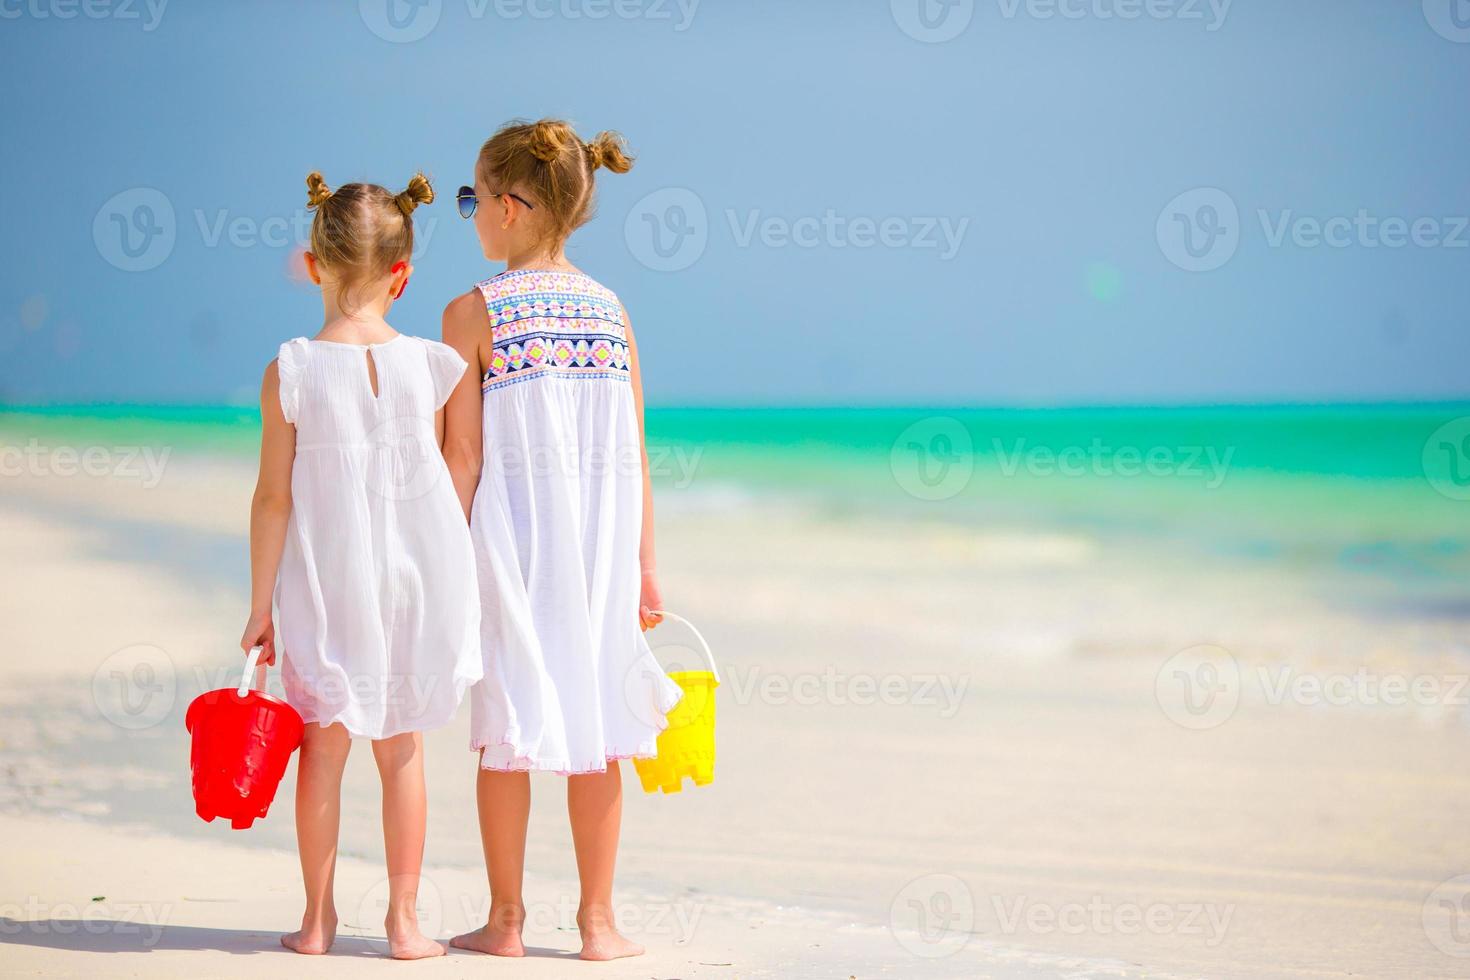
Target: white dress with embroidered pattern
[(378, 611), (570, 682)]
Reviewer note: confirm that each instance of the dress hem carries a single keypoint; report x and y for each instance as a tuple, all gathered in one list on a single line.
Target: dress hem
[(391, 733), (314, 718), (560, 767)]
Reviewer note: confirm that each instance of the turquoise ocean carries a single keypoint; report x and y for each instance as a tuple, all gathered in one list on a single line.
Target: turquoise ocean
[(1374, 495)]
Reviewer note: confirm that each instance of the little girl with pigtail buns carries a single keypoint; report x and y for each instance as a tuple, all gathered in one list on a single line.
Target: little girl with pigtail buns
[(357, 535), (546, 447)]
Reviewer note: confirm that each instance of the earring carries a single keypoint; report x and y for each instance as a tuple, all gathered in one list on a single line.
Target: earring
[(505, 226)]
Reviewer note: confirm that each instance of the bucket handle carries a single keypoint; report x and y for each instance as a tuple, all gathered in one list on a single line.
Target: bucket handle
[(703, 643), (252, 663)]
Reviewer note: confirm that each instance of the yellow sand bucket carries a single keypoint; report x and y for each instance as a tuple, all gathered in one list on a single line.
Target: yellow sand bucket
[(687, 746)]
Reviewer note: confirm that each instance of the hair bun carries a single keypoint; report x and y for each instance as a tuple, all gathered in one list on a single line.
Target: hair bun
[(609, 149), (317, 190), (419, 191), (549, 139), (552, 166)]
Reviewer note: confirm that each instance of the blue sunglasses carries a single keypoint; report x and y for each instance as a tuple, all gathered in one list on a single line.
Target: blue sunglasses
[(467, 201)]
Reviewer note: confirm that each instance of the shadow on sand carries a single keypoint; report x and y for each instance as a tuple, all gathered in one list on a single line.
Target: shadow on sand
[(114, 936)]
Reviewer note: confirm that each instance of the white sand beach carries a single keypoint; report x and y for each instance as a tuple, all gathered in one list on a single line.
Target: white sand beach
[(942, 753)]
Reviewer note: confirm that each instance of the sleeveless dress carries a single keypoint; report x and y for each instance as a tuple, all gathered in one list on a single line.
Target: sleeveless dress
[(378, 608), (570, 682)]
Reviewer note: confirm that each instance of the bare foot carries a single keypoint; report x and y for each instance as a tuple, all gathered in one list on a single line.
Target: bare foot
[(313, 938), (500, 935), (492, 940), (606, 943), (410, 944)]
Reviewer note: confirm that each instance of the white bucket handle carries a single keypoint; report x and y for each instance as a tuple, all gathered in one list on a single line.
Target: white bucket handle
[(703, 643), (252, 663)]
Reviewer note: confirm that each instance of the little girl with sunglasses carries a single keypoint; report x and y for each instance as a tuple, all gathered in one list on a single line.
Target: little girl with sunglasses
[(356, 533), (547, 454)]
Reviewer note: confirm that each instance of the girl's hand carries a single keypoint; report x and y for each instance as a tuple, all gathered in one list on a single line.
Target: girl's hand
[(260, 631), (649, 600)]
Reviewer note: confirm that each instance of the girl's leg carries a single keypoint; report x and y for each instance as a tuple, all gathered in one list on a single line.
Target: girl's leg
[(405, 811), (504, 800), (318, 813), (595, 805)]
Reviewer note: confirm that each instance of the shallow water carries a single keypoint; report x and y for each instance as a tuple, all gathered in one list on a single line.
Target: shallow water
[(1369, 505)]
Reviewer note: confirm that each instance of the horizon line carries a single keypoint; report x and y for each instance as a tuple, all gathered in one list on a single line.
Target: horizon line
[(82, 408)]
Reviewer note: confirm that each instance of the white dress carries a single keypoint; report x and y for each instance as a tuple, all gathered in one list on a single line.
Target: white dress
[(378, 608), (570, 682)]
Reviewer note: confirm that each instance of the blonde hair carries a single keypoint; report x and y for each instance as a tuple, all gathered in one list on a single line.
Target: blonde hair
[(361, 231), (550, 162)]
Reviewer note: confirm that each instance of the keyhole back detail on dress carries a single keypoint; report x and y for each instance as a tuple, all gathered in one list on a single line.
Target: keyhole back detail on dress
[(372, 372)]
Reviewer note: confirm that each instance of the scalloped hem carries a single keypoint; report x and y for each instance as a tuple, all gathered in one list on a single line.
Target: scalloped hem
[(560, 767), (312, 714), (390, 733)]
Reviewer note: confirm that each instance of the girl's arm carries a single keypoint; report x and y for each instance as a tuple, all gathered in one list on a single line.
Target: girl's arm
[(649, 599), (465, 324), (270, 511)]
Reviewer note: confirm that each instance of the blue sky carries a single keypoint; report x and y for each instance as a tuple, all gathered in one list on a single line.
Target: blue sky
[(997, 202)]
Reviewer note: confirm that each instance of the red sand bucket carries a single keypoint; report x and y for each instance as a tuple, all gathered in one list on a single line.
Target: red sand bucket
[(243, 739)]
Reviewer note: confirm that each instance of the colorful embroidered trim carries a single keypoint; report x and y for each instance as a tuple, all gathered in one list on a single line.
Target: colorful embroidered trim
[(553, 323)]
